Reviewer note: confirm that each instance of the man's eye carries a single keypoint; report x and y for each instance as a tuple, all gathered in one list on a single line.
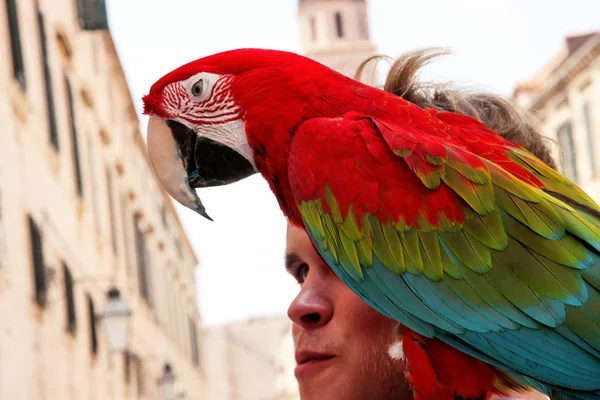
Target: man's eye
[(301, 272)]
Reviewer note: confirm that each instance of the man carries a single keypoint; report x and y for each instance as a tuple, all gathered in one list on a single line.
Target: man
[(341, 343)]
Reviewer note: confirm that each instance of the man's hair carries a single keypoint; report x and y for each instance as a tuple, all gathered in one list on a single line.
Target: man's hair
[(494, 111)]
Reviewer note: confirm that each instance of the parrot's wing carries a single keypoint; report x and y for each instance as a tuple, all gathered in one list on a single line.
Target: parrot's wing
[(451, 234)]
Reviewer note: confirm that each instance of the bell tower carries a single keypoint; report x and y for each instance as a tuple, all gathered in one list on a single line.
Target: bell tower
[(336, 33)]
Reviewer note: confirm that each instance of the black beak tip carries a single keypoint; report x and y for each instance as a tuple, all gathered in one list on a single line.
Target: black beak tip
[(203, 212)]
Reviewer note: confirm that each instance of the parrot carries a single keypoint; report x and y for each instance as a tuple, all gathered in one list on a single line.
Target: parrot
[(488, 259)]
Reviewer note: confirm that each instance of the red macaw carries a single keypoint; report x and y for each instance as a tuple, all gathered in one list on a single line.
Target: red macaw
[(488, 258)]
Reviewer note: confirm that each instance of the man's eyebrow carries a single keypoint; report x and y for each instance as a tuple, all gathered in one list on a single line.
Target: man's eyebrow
[(291, 259)]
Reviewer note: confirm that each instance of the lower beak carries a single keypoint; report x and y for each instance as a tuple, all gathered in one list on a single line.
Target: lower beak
[(169, 165)]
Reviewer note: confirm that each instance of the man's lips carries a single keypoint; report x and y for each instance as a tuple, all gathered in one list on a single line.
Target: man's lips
[(305, 356)]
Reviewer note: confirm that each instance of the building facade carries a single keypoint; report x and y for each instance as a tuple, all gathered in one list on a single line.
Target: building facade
[(336, 33), (251, 360), (565, 98), (80, 212)]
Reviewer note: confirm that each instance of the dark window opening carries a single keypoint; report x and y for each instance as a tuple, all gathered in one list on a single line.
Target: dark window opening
[(15, 43), (313, 29), (127, 367), (142, 262), (71, 316), (50, 107), (338, 25), (75, 145), (37, 255), (92, 14), (567, 146), (591, 144), (194, 339), (111, 212), (93, 333)]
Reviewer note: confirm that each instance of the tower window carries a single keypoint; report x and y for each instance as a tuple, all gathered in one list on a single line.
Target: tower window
[(313, 29), (338, 25), (567, 146)]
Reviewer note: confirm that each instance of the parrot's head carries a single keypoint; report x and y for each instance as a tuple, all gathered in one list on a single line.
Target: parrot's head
[(210, 119)]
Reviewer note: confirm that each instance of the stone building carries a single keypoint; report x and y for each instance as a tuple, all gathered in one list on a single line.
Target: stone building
[(81, 213), (336, 33), (251, 360), (565, 98)]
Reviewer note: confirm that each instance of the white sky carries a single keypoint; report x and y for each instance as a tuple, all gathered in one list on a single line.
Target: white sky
[(496, 44)]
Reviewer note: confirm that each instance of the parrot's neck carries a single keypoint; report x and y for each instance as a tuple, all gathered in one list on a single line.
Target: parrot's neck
[(271, 162)]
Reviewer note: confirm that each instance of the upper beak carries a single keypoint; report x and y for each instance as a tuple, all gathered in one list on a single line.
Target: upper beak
[(169, 165)]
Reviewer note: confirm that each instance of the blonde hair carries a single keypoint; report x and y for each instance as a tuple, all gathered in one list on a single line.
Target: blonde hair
[(494, 111)]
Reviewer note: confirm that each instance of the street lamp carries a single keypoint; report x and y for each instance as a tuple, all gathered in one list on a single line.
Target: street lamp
[(166, 383), (115, 318)]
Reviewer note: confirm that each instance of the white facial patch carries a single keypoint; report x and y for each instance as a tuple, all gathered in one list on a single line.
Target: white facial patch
[(396, 352), (231, 134)]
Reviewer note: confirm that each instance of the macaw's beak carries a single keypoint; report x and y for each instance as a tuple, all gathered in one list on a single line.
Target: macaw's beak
[(183, 161)]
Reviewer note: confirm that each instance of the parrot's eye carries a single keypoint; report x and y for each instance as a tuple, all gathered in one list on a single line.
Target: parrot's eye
[(197, 87)]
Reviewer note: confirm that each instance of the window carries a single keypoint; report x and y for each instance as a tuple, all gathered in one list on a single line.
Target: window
[(50, 107), (93, 333), (75, 145), (37, 255), (178, 247), (194, 341), (363, 25), (127, 366), (139, 374), (338, 25), (567, 146), (111, 212), (589, 132), (92, 14), (163, 215), (71, 317), (15, 43), (313, 29), (142, 262)]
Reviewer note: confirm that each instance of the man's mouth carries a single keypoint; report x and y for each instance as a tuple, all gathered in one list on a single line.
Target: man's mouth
[(305, 356), (310, 363)]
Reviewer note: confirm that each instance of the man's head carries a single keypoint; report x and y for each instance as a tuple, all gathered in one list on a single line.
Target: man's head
[(341, 342)]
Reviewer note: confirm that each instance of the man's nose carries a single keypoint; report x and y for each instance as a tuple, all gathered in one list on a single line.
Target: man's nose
[(311, 309)]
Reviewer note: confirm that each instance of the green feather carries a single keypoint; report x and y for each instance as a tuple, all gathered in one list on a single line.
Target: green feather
[(512, 184), (380, 247), (449, 262), (543, 309), (493, 296), (412, 259), (350, 227), (542, 217), (479, 197), (463, 290), (584, 321), (349, 250), (431, 255), (540, 273), (394, 246), (315, 218), (331, 236), (488, 229), (479, 176), (468, 251), (567, 251), (333, 205)]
